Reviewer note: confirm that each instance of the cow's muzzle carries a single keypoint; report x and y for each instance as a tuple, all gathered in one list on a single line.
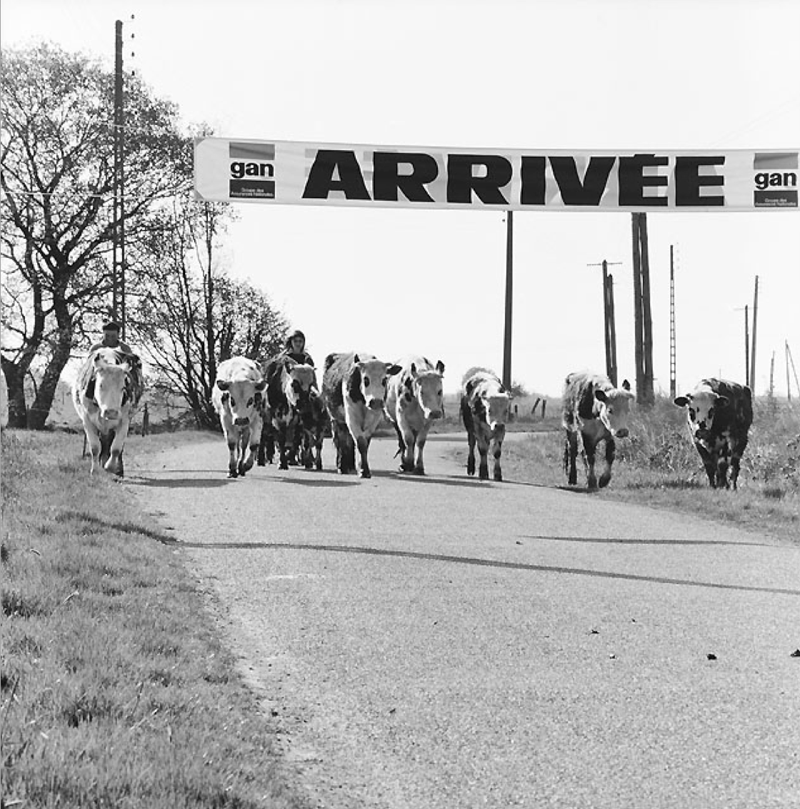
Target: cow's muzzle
[(110, 414), (375, 404), (434, 414), (241, 421)]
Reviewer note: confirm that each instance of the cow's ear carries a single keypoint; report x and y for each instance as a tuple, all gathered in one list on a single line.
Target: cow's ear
[(722, 401), (222, 384), (626, 385), (261, 385), (681, 401), (412, 369), (393, 369), (356, 360), (600, 395), (440, 366)]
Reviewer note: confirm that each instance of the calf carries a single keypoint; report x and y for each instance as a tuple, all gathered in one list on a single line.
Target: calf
[(237, 398), (593, 407), (413, 402), (484, 411), (354, 391), (719, 414), (289, 387), (106, 394), (314, 423)]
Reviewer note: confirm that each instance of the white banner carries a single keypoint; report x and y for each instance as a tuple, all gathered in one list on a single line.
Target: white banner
[(296, 173)]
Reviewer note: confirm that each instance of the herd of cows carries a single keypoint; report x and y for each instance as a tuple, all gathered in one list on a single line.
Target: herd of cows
[(280, 407)]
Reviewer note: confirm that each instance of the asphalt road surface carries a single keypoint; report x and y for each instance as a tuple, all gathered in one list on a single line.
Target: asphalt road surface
[(444, 643)]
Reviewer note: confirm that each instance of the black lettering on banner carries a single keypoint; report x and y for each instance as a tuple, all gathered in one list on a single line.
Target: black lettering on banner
[(321, 180), (532, 173), (387, 180), (689, 181), (461, 182), (595, 178), (633, 181)]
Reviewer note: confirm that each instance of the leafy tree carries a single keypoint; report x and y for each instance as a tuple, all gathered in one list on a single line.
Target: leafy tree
[(56, 216)]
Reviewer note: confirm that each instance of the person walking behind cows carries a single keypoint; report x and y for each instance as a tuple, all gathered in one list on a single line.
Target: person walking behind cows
[(593, 407), (719, 414)]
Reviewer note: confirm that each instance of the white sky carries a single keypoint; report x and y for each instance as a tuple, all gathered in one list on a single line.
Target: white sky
[(566, 74)]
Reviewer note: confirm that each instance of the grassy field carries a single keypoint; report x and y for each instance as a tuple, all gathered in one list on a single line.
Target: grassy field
[(116, 690), (658, 466)]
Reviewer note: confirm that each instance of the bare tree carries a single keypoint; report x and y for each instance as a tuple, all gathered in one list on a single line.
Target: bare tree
[(189, 314), (56, 217)]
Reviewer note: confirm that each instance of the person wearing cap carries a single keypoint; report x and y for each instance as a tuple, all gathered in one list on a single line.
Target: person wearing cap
[(111, 339)]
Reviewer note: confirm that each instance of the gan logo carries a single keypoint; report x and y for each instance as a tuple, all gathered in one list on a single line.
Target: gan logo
[(775, 179), (252, 170)]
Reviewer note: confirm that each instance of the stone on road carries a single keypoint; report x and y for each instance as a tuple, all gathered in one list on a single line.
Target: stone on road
[(445, 642)]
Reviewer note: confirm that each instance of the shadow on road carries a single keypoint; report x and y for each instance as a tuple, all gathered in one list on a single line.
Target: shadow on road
[(466, 560), (182, 483)]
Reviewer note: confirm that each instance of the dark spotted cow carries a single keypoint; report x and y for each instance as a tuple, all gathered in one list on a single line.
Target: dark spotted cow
[(593, 407), (484, 411), (354, 391), (289, 388), (413, 402), (106, 394), (314, 423), (237, 399), (719, 414)]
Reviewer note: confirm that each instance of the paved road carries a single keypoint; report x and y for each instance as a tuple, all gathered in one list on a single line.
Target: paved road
[(444, 643)]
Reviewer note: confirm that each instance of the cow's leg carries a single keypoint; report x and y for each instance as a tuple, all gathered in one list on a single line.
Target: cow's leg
[(283, 450), (483, 451), (722, 468), (95, 446), (262, 445), (409, 439), (117, 443), (470, 452), (362, 442), (246, 456), (589, 452), (318, 439), (570, 456), (497, 450), (709, 465), (737, 451), (419, 461), (232, 466), (611, 451), (105, 447)]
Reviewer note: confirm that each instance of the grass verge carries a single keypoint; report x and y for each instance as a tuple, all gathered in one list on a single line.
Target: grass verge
[(658, 466), (116, 691)]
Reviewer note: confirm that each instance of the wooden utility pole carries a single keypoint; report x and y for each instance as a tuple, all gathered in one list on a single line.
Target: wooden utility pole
[(509, 299), (609, 325), (673, 369), (747, 345), (753, 346), (642, 315)]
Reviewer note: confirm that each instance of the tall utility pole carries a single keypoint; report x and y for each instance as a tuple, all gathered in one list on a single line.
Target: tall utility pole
[(609, 328), (673, 350), (747, 345), (118, 254), (753, 348), (788, 381), (509, 299), (643, 319)]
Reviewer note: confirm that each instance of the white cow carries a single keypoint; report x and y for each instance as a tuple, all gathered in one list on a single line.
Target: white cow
[(484, 411), (354, 391), (106, 394), (413, 402), (237, 398)]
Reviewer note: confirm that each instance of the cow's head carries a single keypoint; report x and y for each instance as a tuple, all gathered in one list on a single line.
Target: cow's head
[(701, 406), (299, 381), (426, 387), (111, 386), (368, 381), (496, 406), (242, 397), (614, 408)]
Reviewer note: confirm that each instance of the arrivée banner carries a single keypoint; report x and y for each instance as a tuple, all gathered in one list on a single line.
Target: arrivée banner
[(298, 173)]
